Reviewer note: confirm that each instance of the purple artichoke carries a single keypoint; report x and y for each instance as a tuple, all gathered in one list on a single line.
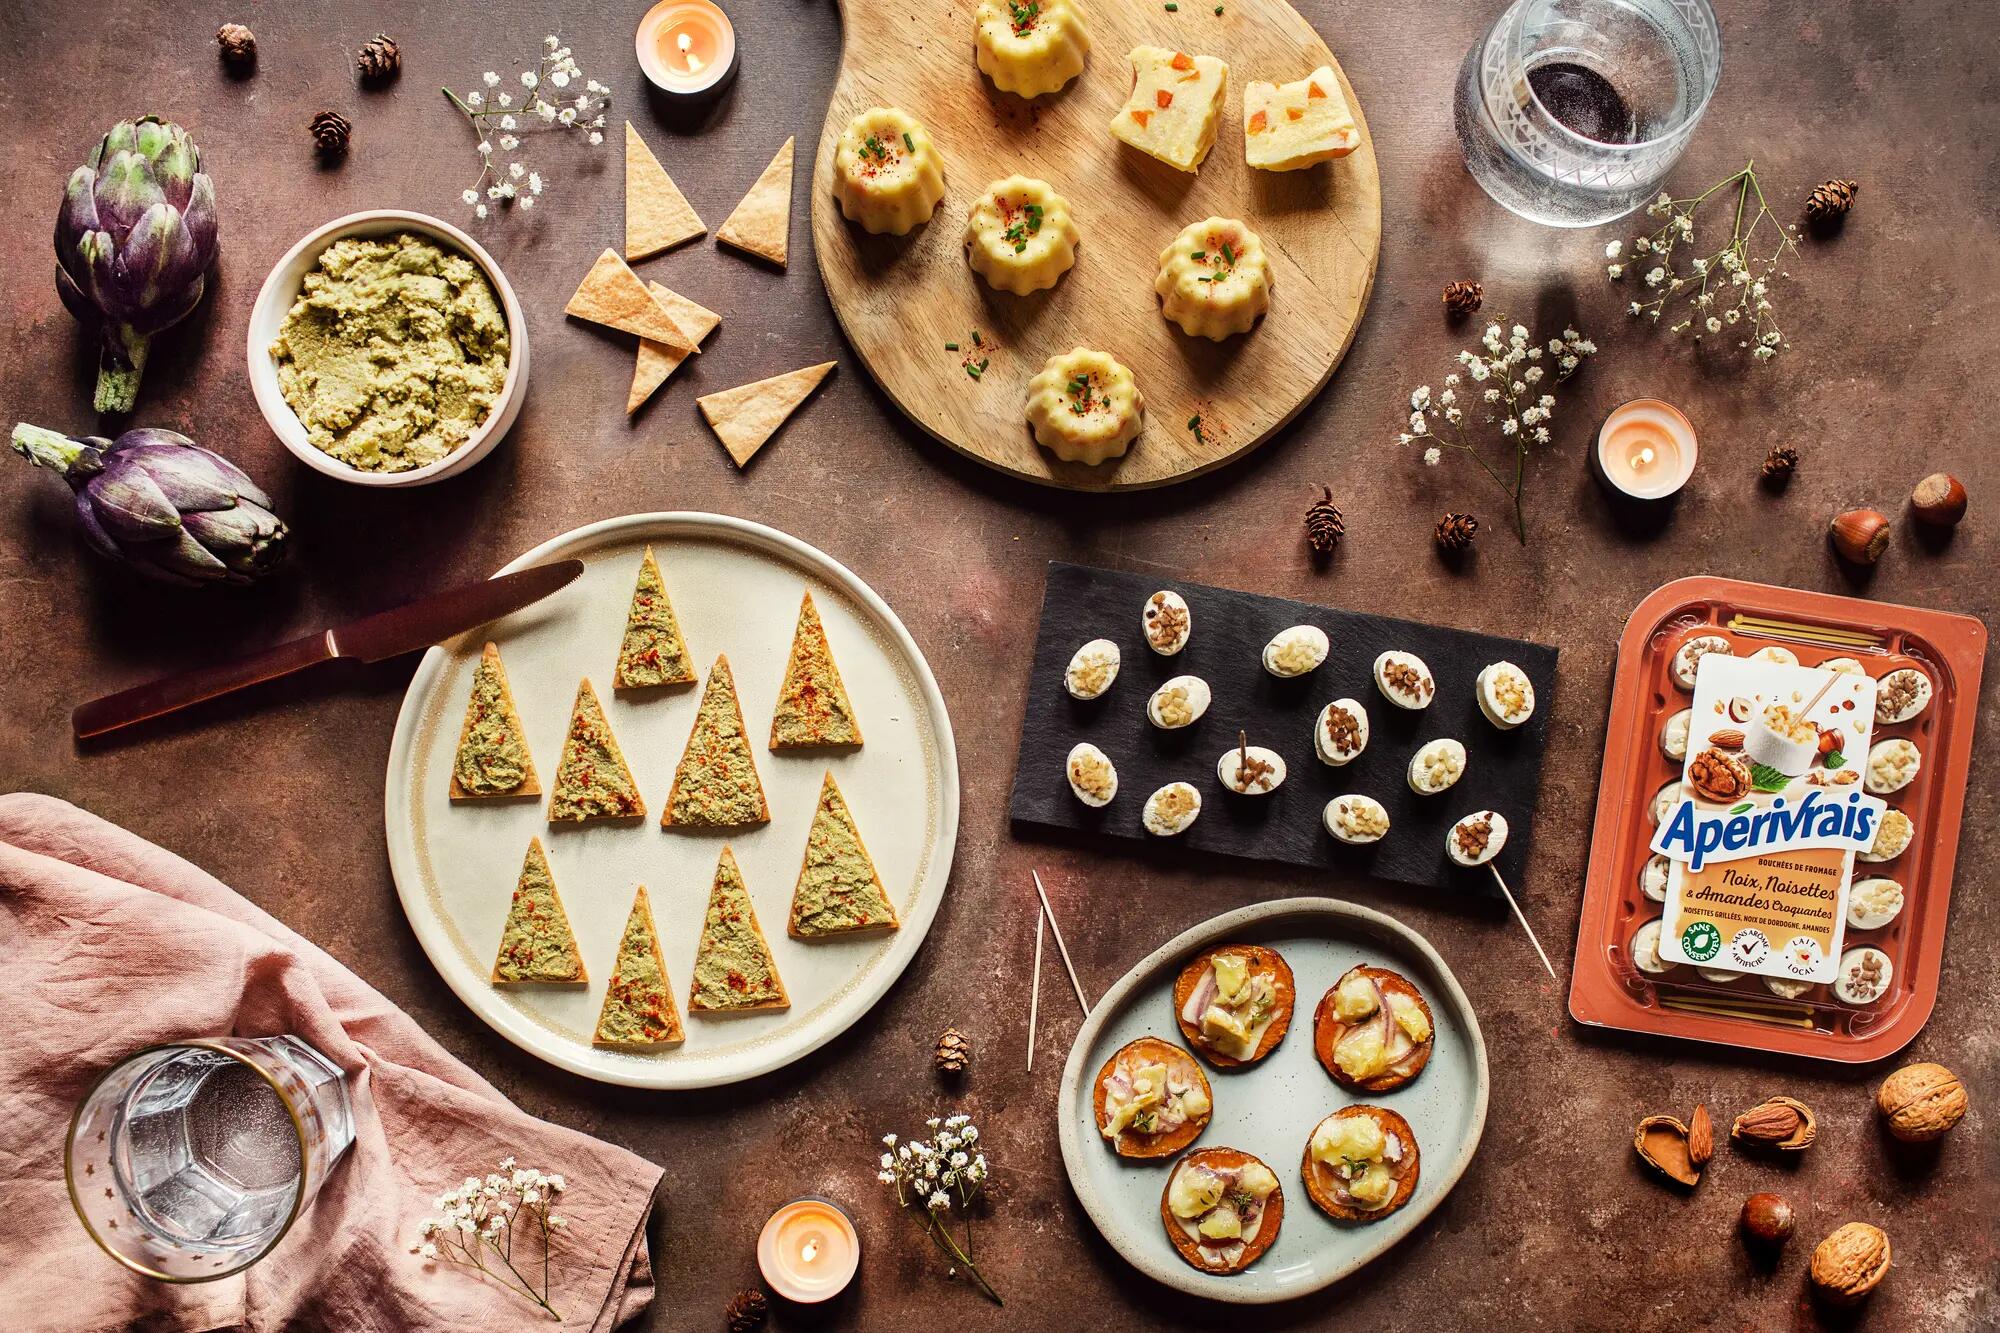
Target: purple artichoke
[(134, 242), (160, 503)]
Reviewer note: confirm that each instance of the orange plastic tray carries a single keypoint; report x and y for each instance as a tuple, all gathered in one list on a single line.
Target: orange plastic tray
[(1606, 988)]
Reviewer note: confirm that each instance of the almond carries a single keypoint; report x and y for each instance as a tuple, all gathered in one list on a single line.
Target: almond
[(1701, 1138), (1780, 1122), (1728, 738)]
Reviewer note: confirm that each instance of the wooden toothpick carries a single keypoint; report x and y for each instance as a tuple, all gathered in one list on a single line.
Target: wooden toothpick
[(1528, 929), (1035, 996), (1061, 948)]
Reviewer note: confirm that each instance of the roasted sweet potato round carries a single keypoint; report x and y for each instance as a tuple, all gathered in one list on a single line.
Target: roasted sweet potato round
[(1329, 1028), (1263, 962), (1273, 1217), (1151, 1050), (1323, 1187)]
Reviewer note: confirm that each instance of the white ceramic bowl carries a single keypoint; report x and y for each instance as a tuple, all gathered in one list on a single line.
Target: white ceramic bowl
[(281, 289)]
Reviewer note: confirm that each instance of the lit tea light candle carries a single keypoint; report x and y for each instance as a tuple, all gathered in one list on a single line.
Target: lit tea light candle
[(686, 46), (1646, 449), (808, 1251)]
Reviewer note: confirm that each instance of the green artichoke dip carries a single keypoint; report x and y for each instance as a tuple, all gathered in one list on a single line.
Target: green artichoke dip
[(492, 760), (394, 353)]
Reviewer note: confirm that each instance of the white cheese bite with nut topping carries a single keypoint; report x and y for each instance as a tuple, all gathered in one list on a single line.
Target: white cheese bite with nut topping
[(1166, 622), (1092, 776), (1295, 651), (1687, 658), (1873, 903), (1436, 765), (1178, 703), (1356, 819), (1674, 735), (1250, 770), (1645, 949), (1092, 669), (1477, 838), (1404, 680), (1892, 765), (1901, 695), (1171, 810), (1864, 976), (1506, 695), (1892, 837), (1341, 733)]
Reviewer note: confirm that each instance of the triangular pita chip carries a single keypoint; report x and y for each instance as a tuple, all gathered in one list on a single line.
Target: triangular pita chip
[(762, 223), (813, 707), (639, 1012), (657, 361), (593, 781), (657, 215), (745, 417), (612, 294), (537, 947), (838, 890), (716, 785), (492, 762), (733, 967), (653, 651)]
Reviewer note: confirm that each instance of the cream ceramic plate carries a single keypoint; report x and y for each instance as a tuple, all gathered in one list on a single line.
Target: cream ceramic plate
[(1269, 1109), (735, 586)]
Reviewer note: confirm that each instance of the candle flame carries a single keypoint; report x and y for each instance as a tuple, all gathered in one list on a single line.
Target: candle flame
[(1643, 459), (810, 1251), (692, 61)]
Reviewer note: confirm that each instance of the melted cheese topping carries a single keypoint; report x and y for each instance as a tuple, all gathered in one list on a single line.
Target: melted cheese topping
[(1232, 1008), (1358, 1153)]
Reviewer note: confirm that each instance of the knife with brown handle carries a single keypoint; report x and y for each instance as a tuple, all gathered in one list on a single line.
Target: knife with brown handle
[(373, 638)]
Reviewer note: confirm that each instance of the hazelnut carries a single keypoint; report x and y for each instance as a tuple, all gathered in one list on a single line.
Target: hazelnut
[(1831, 740), (1921, 1102), (1859, 535), (1939, 500), (1767, 1220), (1847, 1265)]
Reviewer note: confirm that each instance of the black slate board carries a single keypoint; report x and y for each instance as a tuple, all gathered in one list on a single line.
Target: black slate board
[(1503, 768)]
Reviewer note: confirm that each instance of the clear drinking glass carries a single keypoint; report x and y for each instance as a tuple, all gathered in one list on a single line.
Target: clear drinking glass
[(189, 1162), (1570, 112)]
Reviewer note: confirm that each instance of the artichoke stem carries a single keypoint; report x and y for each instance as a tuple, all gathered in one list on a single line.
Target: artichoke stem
[(119, 365), (56, 451)]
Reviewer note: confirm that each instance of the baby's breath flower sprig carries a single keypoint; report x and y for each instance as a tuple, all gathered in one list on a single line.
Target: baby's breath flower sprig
[(478, 1223), (1512, 373), (500, 119), (933, 1178), (1728, 291)]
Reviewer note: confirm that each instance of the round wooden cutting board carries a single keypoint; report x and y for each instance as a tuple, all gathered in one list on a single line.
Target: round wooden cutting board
[(901, 299)]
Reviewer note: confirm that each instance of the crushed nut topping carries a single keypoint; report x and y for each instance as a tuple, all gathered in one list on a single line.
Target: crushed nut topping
[(1408, 679), (1899, 690), (1473, 835), (1864, 976), (1175, 708), (1511, 689), (1362, 820), (1176, 803), (1343, 731), (1092, 773), (1165, 622)]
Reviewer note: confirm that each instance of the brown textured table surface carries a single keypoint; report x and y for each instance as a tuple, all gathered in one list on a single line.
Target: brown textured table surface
[(1555, 1225)]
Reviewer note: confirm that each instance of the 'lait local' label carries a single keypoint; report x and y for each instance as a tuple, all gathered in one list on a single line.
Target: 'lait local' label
[(1770, 814)]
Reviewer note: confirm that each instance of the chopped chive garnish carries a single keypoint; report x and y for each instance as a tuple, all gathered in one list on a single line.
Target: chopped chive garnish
[(1172, 8), (976, 342), (906, 142), (951, 347), (1200, 254), (1218, 9)]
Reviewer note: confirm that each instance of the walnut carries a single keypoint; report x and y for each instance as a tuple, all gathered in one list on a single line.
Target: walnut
[(1847, 1265), (1343, 732), (1921, 1102), (1719, 776)]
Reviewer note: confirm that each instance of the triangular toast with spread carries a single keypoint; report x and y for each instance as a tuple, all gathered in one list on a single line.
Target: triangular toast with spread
[(537, 946), (838, 890), (492, 763), (657, 215), (655, 362), (813, 707), (593, 781), (762, 223), (716, 785), (639, 1012), (733, 967), (653, 651), (747, 416)]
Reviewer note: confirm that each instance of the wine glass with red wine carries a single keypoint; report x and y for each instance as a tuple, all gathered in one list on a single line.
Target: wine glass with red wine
[(1571, 112)]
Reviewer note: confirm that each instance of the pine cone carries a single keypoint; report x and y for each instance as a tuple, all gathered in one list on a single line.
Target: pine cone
[(954, 1052), (1780, 463), (746, 1311), (1324, 527), (1455, 531), (239, 45), (378, 60), (1831, 200), (329, 131), (1462, 298)]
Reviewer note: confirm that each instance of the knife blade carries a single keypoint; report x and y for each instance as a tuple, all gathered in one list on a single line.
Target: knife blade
[(374, 638)]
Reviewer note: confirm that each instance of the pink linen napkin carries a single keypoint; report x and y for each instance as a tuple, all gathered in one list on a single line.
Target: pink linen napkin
[(108, 944)]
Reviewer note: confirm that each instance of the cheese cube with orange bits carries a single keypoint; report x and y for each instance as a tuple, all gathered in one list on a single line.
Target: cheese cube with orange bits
[(1175, 103), (1289, 126)]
